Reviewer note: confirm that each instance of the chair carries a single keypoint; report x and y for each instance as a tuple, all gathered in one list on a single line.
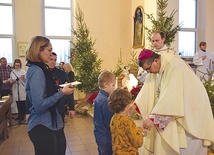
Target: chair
[(3, 117)]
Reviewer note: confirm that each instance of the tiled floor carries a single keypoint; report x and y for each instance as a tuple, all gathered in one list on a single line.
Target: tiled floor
[(79, 135)]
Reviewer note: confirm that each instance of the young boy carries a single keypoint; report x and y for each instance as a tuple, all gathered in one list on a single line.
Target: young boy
[(126, 136), (102, 115)]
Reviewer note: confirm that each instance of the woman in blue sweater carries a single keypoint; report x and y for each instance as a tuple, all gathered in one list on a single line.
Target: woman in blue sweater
[(44, 120)]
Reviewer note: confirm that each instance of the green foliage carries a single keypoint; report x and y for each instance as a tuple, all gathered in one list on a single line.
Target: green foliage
[(163, 23), (118, 68), (84, 58), (133, 62), (209, 86), (133, 59)]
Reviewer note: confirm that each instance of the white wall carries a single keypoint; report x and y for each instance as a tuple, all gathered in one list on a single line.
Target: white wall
[(109, 23), (209, 24), (28, 22)]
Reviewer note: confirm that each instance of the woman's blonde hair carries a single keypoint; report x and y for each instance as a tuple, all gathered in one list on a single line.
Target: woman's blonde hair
[(35, 46), (68, 68)]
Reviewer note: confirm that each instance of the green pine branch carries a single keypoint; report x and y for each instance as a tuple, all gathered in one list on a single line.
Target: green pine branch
[(163, 23), (84, 58), (118, 68), (209, 86), (133, 58)]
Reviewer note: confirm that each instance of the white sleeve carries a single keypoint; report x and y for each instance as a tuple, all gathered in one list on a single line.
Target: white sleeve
[(197, 61)]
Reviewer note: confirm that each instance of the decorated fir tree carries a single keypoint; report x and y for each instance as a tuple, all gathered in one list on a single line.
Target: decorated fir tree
[(163, 22), (84, 58)]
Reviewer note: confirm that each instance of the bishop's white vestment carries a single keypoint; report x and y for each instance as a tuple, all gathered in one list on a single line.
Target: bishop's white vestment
[(177, 92)]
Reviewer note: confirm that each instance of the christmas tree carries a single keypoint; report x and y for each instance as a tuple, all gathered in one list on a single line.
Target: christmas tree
[(163, 22), (84, 58)]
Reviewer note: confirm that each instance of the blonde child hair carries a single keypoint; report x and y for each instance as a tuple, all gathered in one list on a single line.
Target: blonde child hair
[(105, 77)]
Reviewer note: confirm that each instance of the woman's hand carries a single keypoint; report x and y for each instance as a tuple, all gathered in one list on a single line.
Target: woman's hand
[(12, 81), (67, 90), (26, 117), (22, 77), (71, 113)]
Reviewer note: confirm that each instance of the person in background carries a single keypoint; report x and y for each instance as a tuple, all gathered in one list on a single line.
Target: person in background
[(212, 57), (62, 78), (4, 76), (126, 136), (204, 62), (1, 83), (45, 120), (68, 68), (158, 42), (102, 114), (17, 79), (61, 64), (173, 105)]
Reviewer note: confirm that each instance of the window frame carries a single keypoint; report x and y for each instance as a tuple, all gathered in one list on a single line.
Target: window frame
[(195, 30), (58, 37), (11, 36)]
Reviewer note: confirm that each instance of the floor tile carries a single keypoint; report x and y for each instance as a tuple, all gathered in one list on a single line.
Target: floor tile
[(79, 138)]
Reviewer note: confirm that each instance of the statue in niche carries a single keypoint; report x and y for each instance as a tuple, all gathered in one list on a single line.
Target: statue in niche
[(138, 28)]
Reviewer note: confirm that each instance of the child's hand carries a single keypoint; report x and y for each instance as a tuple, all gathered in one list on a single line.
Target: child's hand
[(144, 131), (147, 124)]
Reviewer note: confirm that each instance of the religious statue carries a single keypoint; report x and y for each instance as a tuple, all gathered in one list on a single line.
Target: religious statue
[(138, 27)]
